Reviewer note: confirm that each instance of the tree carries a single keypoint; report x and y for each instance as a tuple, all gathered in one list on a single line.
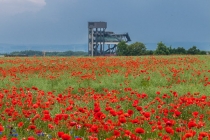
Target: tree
[(193, 50), (149, 52), (162, 49), (171, 50), (122, 48), (203, 52), (136, 49), (180, 50)]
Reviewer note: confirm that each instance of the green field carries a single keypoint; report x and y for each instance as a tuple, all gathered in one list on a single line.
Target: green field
[(148, 97)]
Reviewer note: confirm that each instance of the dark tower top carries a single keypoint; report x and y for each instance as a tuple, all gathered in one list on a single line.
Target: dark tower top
[(97, 24)]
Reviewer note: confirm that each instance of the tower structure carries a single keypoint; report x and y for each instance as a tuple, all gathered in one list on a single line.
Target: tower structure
[(102, 42)]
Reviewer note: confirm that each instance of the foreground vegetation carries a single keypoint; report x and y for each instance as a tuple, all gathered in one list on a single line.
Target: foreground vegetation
[(154, 97)]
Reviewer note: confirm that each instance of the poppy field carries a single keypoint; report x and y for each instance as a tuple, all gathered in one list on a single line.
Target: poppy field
[(105, 98)]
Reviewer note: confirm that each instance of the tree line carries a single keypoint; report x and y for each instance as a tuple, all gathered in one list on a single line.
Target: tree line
[(139, 48), (40, 53), (123, 49)]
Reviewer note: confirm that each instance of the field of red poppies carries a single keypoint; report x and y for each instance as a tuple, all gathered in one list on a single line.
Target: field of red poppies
[(122, 98)]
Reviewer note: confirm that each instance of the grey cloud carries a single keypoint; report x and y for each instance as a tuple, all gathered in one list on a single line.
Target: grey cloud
[(65, 21)]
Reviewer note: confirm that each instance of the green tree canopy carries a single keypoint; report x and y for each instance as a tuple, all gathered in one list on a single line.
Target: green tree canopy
[(162, 49), (180, 50), (203, 52), (122, 48), (137, 48), (193, 50)]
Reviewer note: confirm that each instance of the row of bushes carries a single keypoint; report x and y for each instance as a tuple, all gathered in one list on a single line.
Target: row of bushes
[(139, 48)]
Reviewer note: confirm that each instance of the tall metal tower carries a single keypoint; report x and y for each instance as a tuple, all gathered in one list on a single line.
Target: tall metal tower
[(101, 42), (96, 31)]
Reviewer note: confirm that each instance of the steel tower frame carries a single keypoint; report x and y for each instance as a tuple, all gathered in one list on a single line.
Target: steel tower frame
[(98, 37)]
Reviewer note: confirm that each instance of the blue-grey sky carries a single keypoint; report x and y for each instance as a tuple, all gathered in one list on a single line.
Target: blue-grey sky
[(65, 21)]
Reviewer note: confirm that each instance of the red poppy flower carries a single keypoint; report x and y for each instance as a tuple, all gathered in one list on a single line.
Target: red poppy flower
[(160, 127), (203, 134), (191, 124), (195, 114), (20, 124), (158, 92), (127, 132), (31, 138), (130, 112), (122, 120), (146, 114), (1, 128), (72, 123), (139, 130), (32, 127), (169, 130), (78, 139), (187, 135), (60, 133), (94, 128), (66, 137), (139, 108), (177, 113), (116, 133)]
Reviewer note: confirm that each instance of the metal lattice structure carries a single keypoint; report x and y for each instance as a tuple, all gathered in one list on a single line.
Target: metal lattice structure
[(102, 42)]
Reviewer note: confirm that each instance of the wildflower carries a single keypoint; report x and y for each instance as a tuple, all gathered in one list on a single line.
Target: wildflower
[(195, 114), (130, 112), (60, 134), (203, 134), (177, 113), (191, 124), (146, 114), (31, 138), (158, 92), (135, 121), (139, 108), (139, 130), (187, 135), (35, 106), (66, 137), (72, 123), (169, 130), (94, 128), (127, 133), (200, 124), (160, 127), (4, 138), (32, 127), (78, 138), (1, 128), (50, 126), (92, 138), (116, 133), (122, 120)]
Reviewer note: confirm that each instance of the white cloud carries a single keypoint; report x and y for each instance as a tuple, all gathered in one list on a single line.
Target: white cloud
[(12, 7)]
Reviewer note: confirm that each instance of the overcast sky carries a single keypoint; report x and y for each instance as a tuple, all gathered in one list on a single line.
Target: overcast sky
[(65, 21)]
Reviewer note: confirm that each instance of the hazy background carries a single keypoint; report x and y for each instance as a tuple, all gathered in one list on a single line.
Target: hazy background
[(62, 24)]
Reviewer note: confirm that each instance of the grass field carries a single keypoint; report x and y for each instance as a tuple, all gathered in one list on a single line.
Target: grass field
[(148, 97)]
